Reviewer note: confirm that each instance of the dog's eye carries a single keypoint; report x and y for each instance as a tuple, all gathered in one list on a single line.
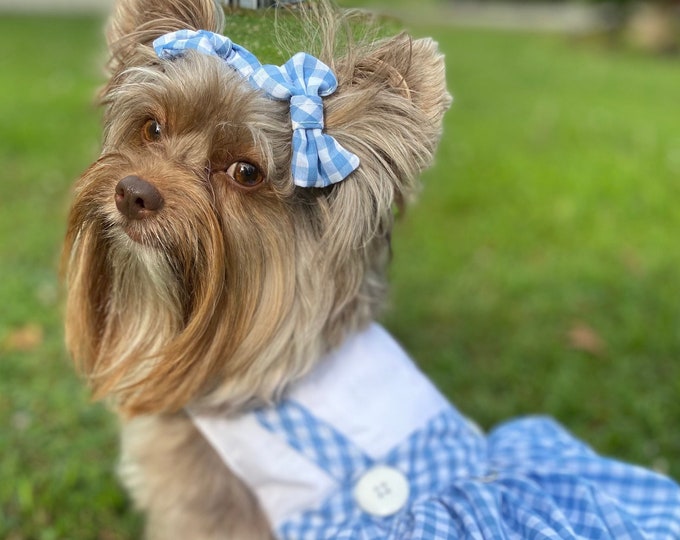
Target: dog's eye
[(151, 131), (245, 174)]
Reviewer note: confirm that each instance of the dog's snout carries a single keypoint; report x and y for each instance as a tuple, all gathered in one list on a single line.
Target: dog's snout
[(136, 198)]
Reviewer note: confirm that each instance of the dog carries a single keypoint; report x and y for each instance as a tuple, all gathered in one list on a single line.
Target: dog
[(225, 259)]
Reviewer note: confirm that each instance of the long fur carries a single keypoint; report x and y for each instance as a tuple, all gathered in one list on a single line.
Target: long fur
[(226, 296)]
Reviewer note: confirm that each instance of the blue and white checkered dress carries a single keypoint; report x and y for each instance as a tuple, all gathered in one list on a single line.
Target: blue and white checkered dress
[(528, 479)]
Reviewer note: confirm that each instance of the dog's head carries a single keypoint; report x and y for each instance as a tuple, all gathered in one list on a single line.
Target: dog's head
[(197, 267)]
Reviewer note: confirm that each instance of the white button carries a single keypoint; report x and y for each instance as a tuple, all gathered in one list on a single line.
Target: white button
[(382, 491)]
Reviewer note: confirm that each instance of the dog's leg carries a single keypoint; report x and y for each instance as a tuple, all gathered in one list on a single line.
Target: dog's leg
[(183, 486)]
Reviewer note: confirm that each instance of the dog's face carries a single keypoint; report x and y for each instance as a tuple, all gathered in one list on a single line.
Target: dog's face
[(196, 269)]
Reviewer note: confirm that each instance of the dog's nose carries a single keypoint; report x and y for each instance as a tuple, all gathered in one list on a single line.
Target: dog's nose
[(136, 198)]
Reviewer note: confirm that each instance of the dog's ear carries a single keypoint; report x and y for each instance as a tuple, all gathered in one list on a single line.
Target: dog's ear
[(134, 25), (389, 110)]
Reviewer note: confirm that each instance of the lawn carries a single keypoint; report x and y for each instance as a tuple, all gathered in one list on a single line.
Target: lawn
[(536, 274)]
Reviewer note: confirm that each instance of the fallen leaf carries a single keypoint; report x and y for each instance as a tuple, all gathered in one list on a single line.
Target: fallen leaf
[(582, 337), (25, 338)]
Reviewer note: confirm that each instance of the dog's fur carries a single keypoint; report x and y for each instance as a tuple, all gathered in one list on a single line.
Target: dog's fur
[(224, 296)]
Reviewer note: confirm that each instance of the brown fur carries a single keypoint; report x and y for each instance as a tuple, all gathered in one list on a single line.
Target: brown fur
[(226, 296)]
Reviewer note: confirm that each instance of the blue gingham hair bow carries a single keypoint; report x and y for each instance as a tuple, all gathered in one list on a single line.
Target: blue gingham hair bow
[(318, 159)]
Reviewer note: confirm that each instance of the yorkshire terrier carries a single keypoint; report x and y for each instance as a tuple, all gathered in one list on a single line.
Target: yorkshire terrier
[(225, 259)]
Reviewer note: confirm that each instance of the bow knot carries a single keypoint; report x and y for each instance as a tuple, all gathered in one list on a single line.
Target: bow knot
[(306, 112), (318, 159)]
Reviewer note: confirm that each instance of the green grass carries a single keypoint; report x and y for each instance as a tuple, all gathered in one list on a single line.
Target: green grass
[(552, 208), (56, 450)]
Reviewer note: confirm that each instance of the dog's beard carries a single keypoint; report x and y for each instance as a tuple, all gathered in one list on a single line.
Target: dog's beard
[(145, 311), (132, 303), (201, 301)]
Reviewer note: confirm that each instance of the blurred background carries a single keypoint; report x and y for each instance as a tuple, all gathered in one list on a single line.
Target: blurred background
[(538, 273)]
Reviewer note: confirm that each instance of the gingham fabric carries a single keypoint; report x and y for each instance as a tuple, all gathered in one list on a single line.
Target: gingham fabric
[(527, 479), (318, 160), (176, 43)]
